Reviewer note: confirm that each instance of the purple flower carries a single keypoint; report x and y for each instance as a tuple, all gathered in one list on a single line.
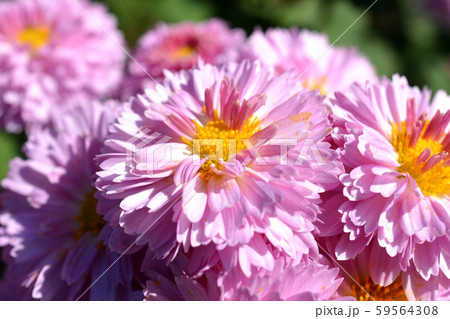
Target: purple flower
[(204, 166), (53, 56), (317, 65), (178, 47), (439, 9), (10, 285), (50, 221), (395, 146)]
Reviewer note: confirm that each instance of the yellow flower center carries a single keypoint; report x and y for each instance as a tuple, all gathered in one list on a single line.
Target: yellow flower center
[(90, 221), (216, 141), (433, 181), (393, 292), (317, 84), (183, 52), (35, 37)]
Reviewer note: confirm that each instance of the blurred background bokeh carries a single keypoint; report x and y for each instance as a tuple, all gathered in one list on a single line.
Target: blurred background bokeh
[(410, 37), (399, 36)]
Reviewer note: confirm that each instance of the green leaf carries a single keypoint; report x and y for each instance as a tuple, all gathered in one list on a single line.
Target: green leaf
[(385, 59), (436, 72), (10, 148)]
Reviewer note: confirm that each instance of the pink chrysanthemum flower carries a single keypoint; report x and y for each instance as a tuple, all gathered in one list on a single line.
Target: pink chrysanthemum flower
[(179, 47), (205, 164), (394, 143), (51, 54), (374, 275), (287, 281), (50, 221), (308, 53)]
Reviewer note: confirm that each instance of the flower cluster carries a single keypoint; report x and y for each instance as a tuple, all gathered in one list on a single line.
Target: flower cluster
[(215, 166), (54, 56)]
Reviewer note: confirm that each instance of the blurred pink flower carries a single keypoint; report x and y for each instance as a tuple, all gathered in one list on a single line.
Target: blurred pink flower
[(309, 54), (52, 55), (179, 46)]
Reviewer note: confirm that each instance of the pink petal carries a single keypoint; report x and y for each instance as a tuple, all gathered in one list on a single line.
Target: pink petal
[(426, 259), (255, 254), (194, 199), (223, 192), (383, 268)]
